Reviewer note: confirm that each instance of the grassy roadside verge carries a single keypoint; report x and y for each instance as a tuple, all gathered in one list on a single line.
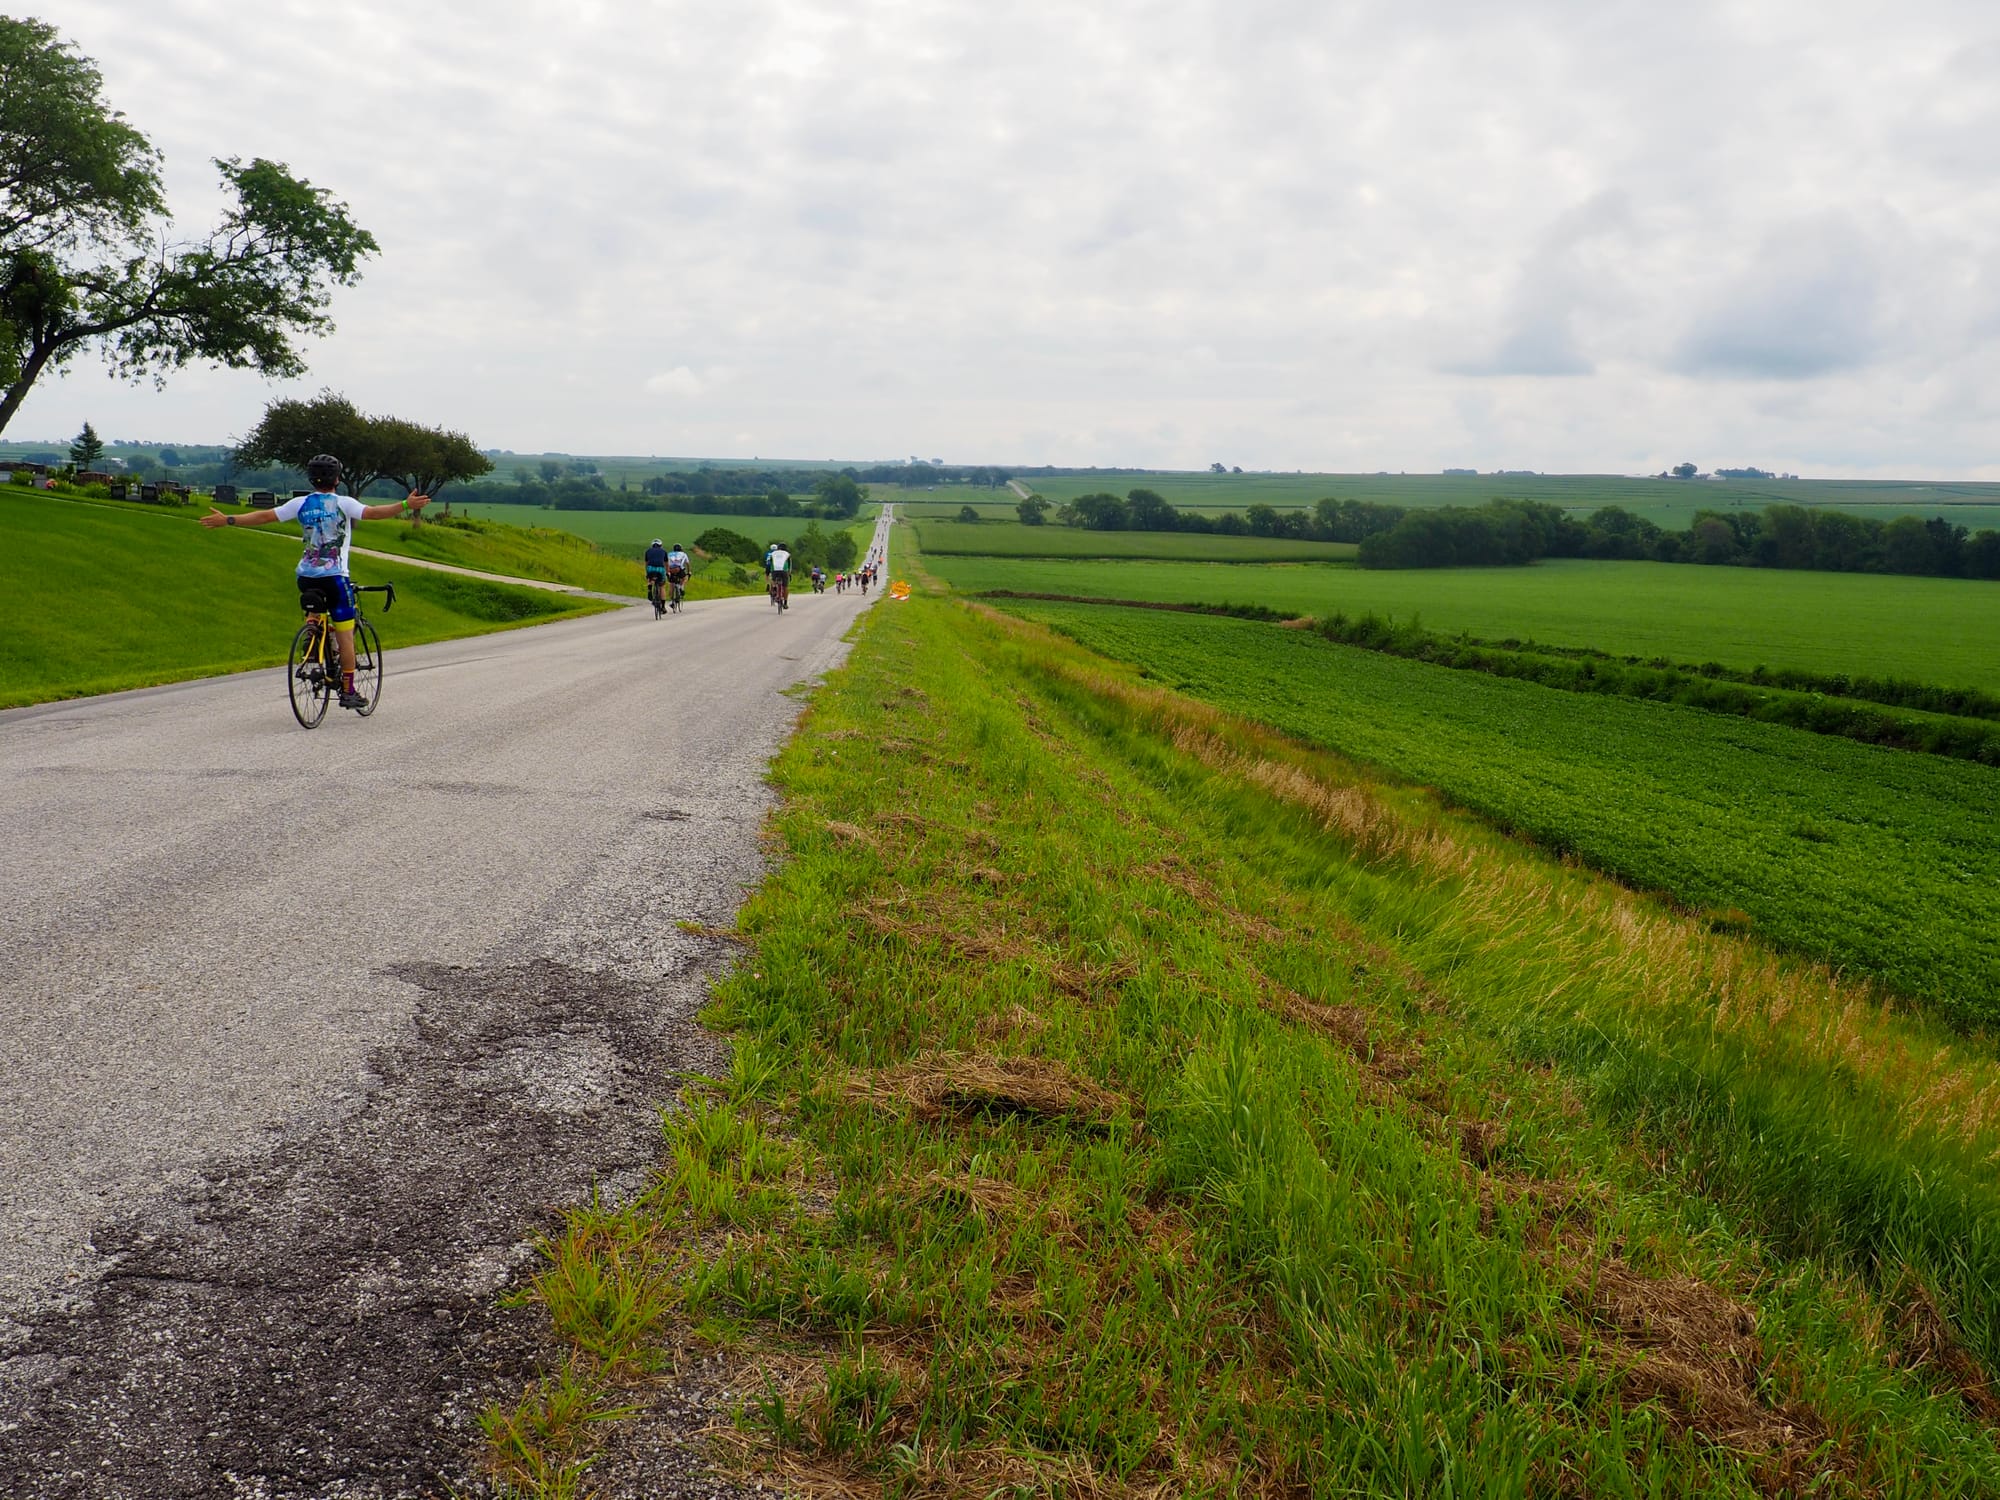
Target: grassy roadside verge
[(1128, 1101), (97, 599)]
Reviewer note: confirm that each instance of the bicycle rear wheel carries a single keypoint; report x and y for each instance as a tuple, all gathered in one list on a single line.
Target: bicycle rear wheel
[(306, 676), (367, 666)]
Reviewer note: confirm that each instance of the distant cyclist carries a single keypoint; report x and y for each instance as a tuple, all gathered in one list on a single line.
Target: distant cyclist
[(656, 571), (678, 570), (326, 518), (778, 573)]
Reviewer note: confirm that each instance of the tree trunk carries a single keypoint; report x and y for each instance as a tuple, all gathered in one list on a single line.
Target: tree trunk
[(18, 391)]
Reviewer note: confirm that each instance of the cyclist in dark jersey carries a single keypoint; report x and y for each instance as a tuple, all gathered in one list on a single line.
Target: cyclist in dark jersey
[(656, 569)]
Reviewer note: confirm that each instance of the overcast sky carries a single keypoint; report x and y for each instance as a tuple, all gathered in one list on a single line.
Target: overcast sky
[(1402, 234)]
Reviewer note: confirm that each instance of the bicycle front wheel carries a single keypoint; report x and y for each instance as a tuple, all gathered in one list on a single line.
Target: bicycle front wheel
[(306, 675), (367, 666)]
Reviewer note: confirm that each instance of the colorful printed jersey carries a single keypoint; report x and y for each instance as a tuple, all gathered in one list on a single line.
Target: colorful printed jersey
[(327, 521)]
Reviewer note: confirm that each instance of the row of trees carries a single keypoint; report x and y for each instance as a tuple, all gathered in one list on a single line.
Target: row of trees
[(1511, 532), (1329, 520), (834, 497), (1824, 538)]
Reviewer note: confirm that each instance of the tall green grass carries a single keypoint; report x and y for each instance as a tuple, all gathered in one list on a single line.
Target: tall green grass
[(1126, 1100)]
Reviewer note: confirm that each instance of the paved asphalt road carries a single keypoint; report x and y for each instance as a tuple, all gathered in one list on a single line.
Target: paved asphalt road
[(302, 1033)]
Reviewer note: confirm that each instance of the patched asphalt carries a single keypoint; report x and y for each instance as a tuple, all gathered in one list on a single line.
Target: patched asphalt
[(308, 1035)]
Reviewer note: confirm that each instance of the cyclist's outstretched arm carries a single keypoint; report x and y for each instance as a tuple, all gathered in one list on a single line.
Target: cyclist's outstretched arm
[(254, 518), (394, 508)]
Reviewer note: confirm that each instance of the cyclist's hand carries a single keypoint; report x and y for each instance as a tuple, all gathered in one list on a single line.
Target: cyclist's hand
[(417, 502), (214, 519)]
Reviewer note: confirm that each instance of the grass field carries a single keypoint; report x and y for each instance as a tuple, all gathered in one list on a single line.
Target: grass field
[(1222, 1121), (1012, 539), (1939, 630), (1861, 857), (552, 555), (82, 609), (547, 553)]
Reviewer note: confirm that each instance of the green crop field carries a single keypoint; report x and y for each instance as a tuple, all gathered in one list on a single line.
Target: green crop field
[(1938, 630), (1012, 539), (82, 608), (1866, 858)]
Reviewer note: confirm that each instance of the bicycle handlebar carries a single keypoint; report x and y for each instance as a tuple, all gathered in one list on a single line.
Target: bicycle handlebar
[(386, 590)]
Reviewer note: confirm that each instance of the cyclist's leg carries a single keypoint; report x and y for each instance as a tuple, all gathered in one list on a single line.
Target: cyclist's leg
[(342, 615)]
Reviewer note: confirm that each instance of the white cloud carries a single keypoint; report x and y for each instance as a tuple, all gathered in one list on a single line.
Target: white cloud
[(679, 381), (1281, 232)]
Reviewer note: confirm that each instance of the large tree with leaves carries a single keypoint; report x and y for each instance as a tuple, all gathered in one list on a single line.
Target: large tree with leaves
[(293, 432), (85, 257), (421, 459), (426, 459)]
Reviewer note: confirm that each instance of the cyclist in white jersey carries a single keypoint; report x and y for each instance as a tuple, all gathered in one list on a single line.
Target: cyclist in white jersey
[(326, 520)]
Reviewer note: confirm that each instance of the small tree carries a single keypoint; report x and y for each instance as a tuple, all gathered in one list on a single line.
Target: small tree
[(810, 546), (839, 496), (968, 515), (87, 448), (426, 459), (293, 432), (1685, 471), (1033, 510)]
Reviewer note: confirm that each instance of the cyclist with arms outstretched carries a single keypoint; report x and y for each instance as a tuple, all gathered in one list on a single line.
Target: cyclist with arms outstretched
[(327, 520)]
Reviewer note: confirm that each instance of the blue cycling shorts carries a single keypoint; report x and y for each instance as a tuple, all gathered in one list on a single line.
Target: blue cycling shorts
[(329, 594)]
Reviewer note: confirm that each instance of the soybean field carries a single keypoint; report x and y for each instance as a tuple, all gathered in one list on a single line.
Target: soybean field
[(1936, 630), (1868, 859)]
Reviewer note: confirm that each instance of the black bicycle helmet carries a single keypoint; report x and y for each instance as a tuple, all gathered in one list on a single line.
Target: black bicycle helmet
[(323, 470)]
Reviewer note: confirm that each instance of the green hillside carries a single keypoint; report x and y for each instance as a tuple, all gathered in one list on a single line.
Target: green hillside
[(96, 599)]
